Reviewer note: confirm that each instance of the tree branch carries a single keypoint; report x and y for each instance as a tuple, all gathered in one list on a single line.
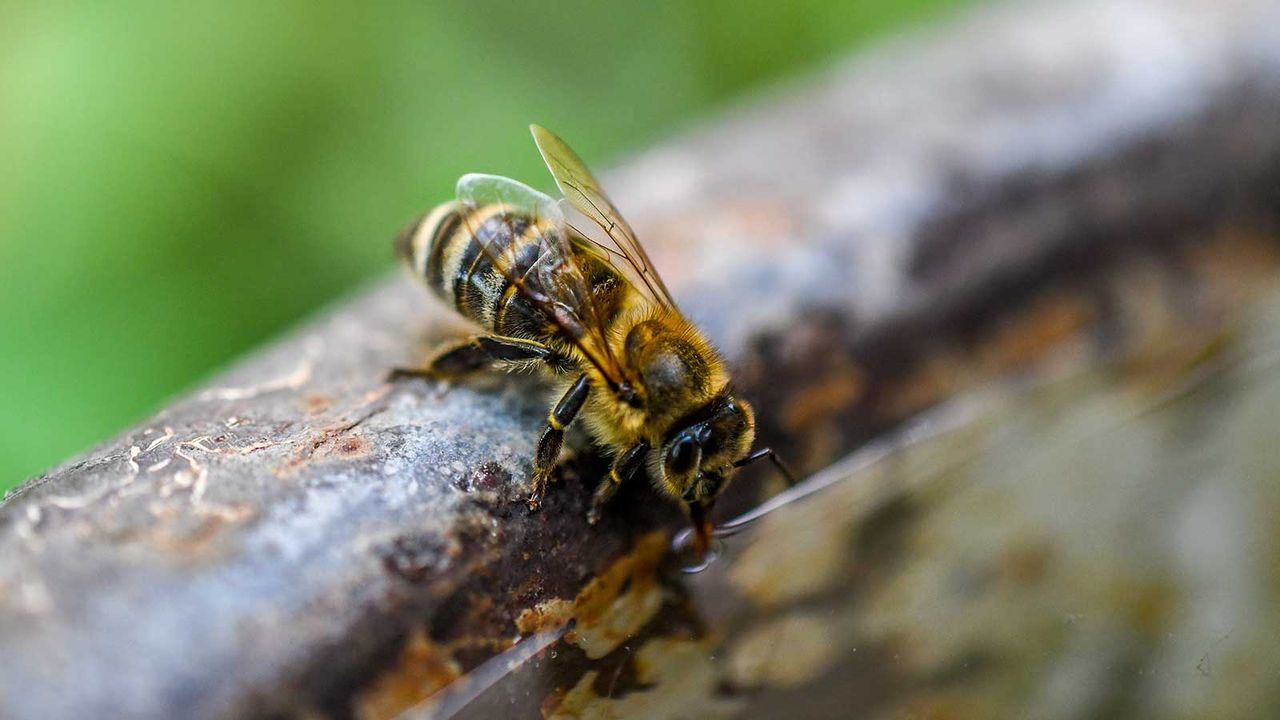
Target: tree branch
[(1028, 192)]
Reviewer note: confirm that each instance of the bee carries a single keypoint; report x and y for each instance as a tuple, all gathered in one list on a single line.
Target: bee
[(593, 314)]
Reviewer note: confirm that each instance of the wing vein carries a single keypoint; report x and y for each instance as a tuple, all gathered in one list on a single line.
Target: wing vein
[(552, 281)]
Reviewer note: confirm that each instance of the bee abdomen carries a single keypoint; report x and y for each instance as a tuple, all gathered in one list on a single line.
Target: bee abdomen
[(444, 248), (424, 244)]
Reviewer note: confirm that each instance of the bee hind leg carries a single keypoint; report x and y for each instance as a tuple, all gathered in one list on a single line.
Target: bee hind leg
[(544, 459), (475, 353), (625, 466)]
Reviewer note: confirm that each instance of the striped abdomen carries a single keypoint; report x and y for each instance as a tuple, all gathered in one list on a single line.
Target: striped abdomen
[(445, 249)]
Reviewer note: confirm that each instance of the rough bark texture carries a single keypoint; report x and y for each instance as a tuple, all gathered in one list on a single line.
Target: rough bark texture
[(1085, 191)]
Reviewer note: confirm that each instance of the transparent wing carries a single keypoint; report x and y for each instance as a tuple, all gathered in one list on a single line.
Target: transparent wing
[(584, 193), (499, 212)]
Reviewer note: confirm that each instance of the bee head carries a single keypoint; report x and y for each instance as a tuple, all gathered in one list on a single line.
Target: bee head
[(699, 452)]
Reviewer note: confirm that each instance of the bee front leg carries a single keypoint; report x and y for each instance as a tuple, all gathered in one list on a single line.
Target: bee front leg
[(544, 459), (625, 466)]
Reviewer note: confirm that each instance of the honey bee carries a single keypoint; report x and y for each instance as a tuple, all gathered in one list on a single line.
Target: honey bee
[(597, 318)]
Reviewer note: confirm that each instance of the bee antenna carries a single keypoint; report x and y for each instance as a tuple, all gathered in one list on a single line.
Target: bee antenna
[(772, 456)]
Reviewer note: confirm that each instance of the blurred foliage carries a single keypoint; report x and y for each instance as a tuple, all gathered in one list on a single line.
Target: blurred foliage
[(179, 182)]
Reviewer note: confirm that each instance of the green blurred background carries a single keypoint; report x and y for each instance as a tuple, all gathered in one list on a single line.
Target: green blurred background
[(177, 184)]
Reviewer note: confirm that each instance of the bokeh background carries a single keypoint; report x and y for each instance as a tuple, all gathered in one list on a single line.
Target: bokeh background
[(180, 182)]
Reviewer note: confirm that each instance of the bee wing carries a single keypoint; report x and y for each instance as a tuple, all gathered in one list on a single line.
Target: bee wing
[(584, 193), (498, 208)]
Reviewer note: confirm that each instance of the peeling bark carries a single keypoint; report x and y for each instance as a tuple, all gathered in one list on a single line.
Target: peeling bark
[(1027, 194)]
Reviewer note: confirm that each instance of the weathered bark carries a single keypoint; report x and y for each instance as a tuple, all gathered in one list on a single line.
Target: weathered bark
[(1030, 193)]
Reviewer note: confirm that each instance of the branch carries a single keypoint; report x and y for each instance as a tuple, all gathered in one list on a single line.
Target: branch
[(1029, 193)]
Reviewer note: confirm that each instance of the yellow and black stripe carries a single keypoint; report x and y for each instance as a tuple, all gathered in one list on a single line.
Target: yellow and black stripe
[(417, 246), (446, 248)]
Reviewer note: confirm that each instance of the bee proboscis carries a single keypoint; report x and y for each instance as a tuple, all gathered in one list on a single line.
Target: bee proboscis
[(590, 311)]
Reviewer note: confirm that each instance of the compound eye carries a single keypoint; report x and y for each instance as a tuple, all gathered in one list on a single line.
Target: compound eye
[(683, 456)]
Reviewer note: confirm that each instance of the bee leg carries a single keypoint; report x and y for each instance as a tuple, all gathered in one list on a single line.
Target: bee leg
[(625, 466), (772, 456), (544, 459), (473, 353), (450, 360)]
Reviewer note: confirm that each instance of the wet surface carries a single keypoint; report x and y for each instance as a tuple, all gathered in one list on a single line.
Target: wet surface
[(1092, 545)]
